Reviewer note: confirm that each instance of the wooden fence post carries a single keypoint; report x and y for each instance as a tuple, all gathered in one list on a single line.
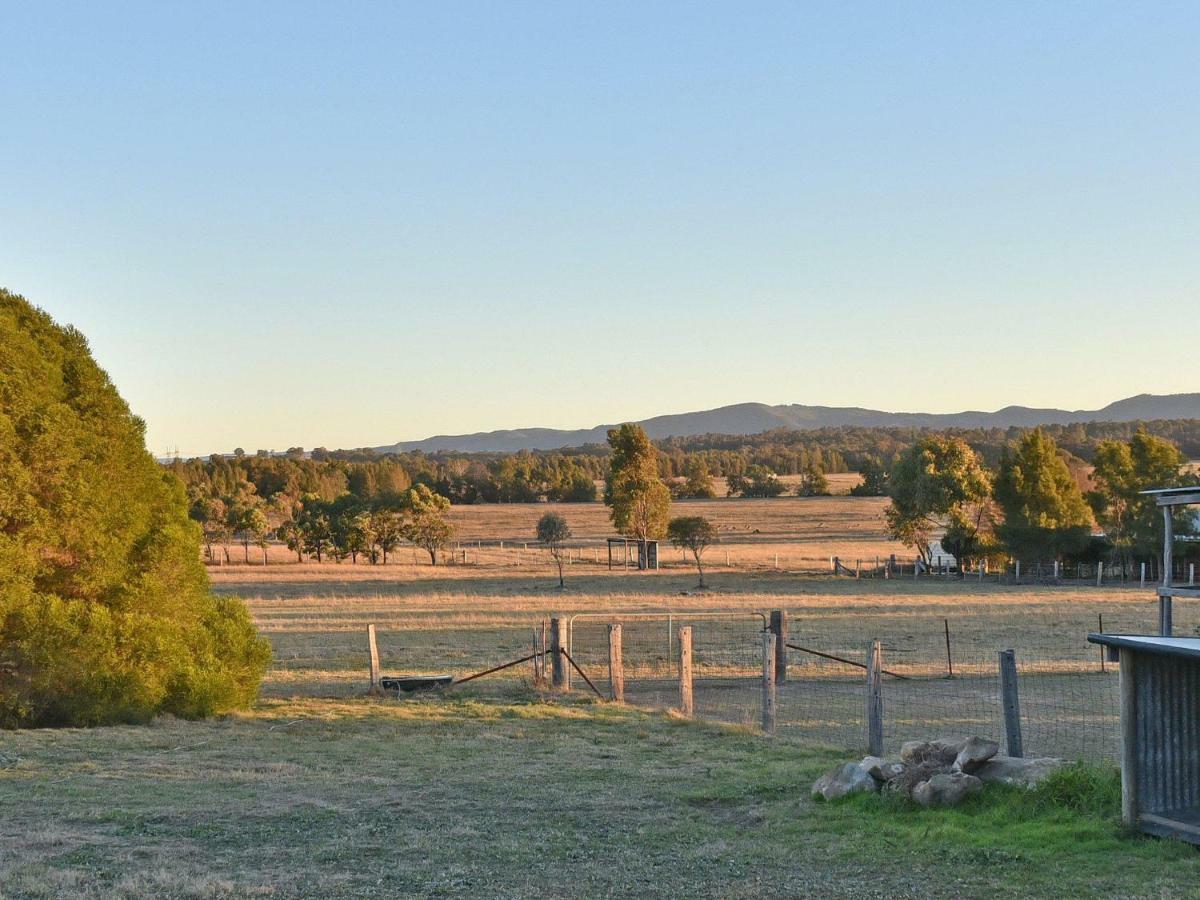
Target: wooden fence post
[(538, 660), (779, 628), (616, 664), (875, 699), (374, 649), (1012, 703), (1099, 579), (768, 683), (685, 670), (560, 674)]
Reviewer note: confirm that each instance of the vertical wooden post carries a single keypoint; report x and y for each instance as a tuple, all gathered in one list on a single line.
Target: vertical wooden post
[(875, 699), (537, 673), (685, 670), (1056, 570), (560, 674), (1142, 578), (1099, 577), (1129, 747), (949, 655), (1012, 703), (1191, 574), (1100, 622), (1164, 601), (779, 628), (616, 664), (768, 683), (1018, 573), (374, 650)]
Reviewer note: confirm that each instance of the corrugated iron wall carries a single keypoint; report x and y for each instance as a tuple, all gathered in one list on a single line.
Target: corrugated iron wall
[(1168, 733)]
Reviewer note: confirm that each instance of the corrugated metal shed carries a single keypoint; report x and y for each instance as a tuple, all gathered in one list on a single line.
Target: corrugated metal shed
[(1160, 732)]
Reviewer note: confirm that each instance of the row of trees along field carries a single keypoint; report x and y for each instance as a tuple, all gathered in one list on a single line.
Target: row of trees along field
[(347, 504), (1038, 503)]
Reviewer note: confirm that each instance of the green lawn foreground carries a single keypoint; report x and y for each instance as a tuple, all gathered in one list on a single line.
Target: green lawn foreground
[(508, 796)]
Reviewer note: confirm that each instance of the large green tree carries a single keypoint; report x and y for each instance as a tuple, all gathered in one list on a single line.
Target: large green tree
[(1122, 470), (1044, 510), (637, 497), (105, 608), (934, 480)]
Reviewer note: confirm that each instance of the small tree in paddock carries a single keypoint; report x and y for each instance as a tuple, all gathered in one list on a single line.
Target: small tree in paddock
[(426, 524), (699, 484), (387, 526), (553, 531), (694, 534)]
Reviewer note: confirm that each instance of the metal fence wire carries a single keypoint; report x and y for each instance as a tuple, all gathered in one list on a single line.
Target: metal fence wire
[(941, 675), (941, 672)]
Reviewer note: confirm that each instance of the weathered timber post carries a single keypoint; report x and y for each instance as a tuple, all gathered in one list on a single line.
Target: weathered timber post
[(1012, 703), (1099, 579), (875, 699), (616, 664), (1129, 742), (768, 683), (560, 674), (539, 660), (1018, 572), (779, 628), (1164, 600), (949, 655), (685, 670), (374, 650), (1142, 578)]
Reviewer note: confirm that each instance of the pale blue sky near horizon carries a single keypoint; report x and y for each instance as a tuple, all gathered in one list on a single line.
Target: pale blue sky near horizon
[(350, 224)]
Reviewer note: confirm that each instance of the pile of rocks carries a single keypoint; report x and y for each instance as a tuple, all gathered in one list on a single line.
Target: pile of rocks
[(935, 773)]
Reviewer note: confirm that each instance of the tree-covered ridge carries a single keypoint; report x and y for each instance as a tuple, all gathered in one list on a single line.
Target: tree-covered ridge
[(105, 612)]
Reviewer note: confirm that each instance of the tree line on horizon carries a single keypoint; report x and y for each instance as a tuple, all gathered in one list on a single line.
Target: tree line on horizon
[(344, 505)]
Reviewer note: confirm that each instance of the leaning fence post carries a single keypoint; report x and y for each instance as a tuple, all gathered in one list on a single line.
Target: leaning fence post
[(875, 699), (768, 683), (1012, 703), (949, 655), (537, 672), (374, 649), (616, 665), (779, 628), (685, 670), (560, 675)]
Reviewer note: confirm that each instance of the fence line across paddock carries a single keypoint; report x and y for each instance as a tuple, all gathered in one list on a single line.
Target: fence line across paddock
[(939, 675)]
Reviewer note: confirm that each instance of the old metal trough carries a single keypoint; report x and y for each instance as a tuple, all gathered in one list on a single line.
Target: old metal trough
[(410, 683), (1160, 732)]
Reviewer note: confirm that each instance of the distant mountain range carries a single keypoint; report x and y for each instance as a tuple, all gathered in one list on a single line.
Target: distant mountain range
[(753, 418)]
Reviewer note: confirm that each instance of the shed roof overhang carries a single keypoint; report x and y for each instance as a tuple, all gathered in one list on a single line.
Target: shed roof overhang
[(1188, 647)]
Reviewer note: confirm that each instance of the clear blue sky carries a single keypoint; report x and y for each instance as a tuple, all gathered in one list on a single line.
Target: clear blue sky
[(348, 224)]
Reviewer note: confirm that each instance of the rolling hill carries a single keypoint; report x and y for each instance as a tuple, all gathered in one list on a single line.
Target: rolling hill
[(752, 418)]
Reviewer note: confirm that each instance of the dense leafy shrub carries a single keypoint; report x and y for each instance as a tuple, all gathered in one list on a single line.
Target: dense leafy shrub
[(105, 610)]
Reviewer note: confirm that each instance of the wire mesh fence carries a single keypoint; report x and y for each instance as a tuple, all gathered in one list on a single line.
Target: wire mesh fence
[(940, 673)]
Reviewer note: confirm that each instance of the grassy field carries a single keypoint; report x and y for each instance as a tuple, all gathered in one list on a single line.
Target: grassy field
[(509, 795), (493, 790)]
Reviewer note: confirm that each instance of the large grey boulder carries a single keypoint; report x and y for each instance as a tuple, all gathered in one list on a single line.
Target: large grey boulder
[(1026, 773), (850, 778), (882, 769), (946, 789), (974, 753), (941, 752)]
